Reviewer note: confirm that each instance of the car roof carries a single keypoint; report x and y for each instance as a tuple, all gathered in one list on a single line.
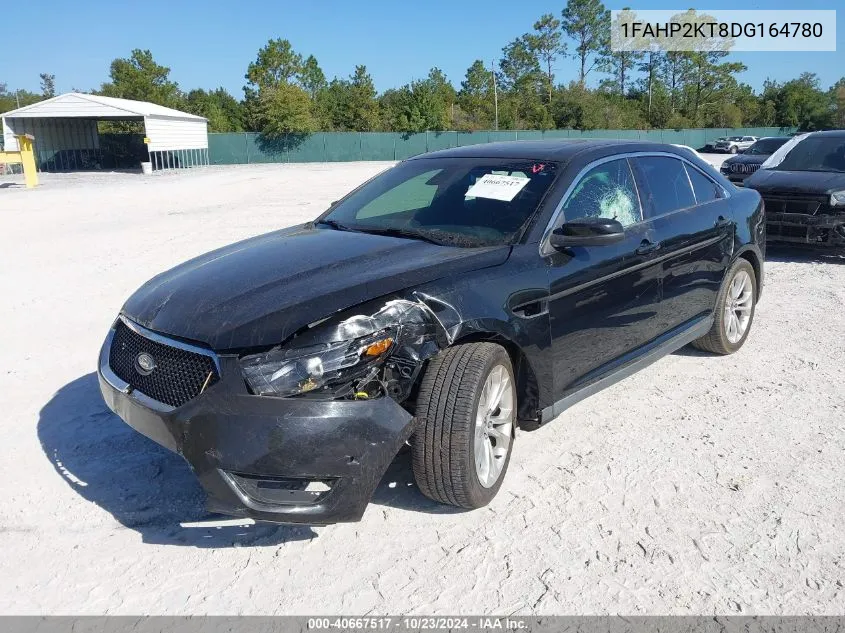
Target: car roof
[(561, 150), (831, 133)]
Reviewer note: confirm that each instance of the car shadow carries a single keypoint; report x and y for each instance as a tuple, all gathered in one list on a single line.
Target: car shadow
[(787, 254), (398, 489), (142, 485), (151, 490), (689, 350)]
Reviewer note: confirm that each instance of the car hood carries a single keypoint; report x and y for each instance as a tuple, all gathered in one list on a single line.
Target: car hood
[(260, 291), (808, 182), (747, 159)]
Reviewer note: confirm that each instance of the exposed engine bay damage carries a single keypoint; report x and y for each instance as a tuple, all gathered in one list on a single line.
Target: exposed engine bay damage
[(373, 350)]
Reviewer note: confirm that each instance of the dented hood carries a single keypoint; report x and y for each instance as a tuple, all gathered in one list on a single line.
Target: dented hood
[(260, 291), (747, 159)]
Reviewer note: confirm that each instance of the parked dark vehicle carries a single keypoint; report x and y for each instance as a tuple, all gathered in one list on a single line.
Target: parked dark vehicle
[(804, 194), (710, 146), (738, 167), (445, 302)]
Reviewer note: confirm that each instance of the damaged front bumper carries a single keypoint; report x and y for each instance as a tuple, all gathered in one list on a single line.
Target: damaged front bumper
[(285, 460), (822, 230)]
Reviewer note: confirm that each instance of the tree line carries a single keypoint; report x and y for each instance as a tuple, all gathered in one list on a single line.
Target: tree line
[(288, 92)]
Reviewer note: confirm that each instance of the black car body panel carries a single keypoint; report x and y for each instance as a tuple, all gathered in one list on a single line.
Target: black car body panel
[(739, 167), (798, 209), (572, 320), (259, 291), (233, 439)]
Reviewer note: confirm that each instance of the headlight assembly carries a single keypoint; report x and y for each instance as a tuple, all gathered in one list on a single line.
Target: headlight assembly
[(360, 354), (287, 372), (837, 199)]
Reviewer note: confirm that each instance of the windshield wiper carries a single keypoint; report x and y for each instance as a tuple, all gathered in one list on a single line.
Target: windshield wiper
[(397, 232), (334, 224)]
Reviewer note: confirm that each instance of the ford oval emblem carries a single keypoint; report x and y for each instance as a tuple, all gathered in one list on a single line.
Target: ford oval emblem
[(144, 364)]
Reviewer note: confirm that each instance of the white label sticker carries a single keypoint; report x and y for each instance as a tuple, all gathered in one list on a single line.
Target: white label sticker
[(497, 187)]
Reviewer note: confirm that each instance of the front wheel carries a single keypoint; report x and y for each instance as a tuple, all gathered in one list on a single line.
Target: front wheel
[(733, 149), (734, 311), (466, 415)]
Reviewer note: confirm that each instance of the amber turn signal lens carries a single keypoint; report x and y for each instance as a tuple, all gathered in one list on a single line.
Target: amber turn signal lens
[(378, 348)]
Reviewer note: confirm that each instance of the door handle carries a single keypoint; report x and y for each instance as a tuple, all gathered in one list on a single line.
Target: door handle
[(531, 310), (647, 247), (722, 222)]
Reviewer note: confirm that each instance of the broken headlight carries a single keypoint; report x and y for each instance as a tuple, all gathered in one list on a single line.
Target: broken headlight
[(291, 371), (374, 349)]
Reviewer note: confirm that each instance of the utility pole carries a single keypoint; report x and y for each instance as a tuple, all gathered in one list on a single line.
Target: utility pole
[(17, 98), (495, 92)]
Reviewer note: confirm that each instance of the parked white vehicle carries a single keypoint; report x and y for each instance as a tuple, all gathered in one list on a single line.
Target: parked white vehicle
[(734, 144)]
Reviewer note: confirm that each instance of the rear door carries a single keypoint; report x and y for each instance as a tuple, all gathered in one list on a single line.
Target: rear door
[(693, 226)]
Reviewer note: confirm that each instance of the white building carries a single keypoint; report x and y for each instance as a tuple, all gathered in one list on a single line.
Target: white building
[(66, 135)]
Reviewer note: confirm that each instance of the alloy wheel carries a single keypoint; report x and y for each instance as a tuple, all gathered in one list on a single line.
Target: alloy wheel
[(494, 421), (738, 304)]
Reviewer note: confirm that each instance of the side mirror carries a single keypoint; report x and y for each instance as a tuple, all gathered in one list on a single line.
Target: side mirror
[(587, 232)]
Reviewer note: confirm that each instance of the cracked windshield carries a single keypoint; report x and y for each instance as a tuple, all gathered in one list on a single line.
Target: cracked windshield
[(606, 191), (456, 201)]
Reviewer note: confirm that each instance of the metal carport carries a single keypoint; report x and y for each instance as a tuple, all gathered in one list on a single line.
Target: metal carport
[(67, 137)]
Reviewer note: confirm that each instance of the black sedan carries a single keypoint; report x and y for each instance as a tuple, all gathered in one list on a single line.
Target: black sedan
[(444, 303), (738, 167), (804, 191)]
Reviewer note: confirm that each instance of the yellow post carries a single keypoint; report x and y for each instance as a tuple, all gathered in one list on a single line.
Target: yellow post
[(26, 157)]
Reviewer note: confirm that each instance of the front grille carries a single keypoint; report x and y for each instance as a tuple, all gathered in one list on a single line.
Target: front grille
[(775, 231), (743, 168), (803, 206), (180, 375)]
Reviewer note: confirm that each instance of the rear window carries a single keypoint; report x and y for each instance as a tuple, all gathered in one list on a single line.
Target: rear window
[(666, 185), (705, 189), (456, 201)]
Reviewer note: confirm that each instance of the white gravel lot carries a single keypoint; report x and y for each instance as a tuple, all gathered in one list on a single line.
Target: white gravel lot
[(701, 485)]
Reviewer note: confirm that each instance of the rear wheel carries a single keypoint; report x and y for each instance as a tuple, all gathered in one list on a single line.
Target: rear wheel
[(466, 413), (734, 312), (733, 149)]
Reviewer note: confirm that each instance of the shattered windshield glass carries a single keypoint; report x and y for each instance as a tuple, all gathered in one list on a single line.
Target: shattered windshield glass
[(452, 201), (606, 191)]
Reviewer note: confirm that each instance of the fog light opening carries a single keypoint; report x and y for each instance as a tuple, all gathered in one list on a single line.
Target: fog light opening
[(280, 491)]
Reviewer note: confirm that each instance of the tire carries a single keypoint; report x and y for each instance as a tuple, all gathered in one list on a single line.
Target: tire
[(443, 447), (720, 340), (733, 149)]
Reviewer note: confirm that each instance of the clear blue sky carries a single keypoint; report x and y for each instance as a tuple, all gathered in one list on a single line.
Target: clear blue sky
[(209, 44)]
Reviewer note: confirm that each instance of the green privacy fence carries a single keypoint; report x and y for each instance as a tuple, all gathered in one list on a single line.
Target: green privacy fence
[(250, 147)]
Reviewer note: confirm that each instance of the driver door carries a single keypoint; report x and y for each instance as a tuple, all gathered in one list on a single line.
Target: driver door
[(603, 299)]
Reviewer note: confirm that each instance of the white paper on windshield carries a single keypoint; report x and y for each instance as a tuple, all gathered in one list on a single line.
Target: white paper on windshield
[(497, 187)]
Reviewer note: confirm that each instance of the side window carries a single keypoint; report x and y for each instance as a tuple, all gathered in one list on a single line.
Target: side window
[(705, 189), (666, 186), (606, 191), (414, 193)]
